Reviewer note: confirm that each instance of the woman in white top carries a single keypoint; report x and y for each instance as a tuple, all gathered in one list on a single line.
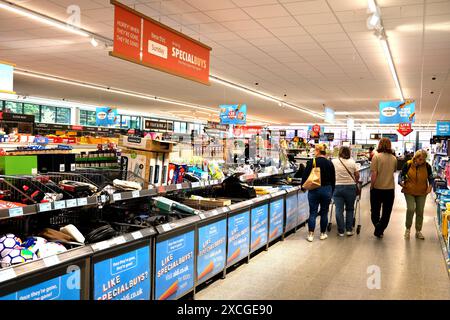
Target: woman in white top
[(345, 192)]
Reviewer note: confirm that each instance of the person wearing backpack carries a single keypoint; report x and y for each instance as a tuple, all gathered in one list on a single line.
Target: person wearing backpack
[(347, 177), (320, 194), (416, 178)]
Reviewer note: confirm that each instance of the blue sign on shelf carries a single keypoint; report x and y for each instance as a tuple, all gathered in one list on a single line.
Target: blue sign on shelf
[(233, 114), (291, 211), (124, 277), (443, 128), (211, 249), (174, 267), (303, 207), (106, 117), (65, 287), (238, 237), (276, 219), (394, 112), (260, 217)]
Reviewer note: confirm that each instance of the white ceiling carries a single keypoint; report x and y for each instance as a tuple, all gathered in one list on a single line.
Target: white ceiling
[(314, 52)]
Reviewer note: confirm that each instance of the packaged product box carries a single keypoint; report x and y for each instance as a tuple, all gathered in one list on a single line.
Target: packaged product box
[(18, 165), (150, 166), (145, 144)]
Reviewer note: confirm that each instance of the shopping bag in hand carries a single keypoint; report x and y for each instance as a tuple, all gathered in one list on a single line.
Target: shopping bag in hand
[(313, 181)]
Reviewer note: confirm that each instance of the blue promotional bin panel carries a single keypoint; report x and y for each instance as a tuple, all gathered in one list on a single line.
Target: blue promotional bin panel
[(238, 237), (64, 287), (174, 266), (303, 207), (124, 277), (276, 219), (291, 211), (212, 249), (260, 217)]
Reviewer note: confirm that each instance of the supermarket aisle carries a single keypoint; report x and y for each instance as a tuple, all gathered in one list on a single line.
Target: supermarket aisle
[(337, 267)]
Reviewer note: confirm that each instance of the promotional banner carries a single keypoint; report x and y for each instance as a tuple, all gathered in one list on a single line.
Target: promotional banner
[(212, 249), (142, 40), (174, 267), (65, 287), (238, 237), (404, 129), (243, 130), (329, 115), (276, 219), (303, 207), (6, 77), (315, 130), (106, 117), (394, 112), (291, 211), (260, 217), (233, 114), (443, 128), (125, 277)]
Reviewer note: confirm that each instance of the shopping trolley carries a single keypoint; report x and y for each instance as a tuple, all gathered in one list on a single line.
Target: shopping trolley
[(356, 215)]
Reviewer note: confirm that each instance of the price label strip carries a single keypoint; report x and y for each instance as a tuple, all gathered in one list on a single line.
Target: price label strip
[(101, 245), (202, 216), (7, 274), (58, 205), (179, 186), (71, 203), (137, 235), (135, 194), (82, 202), (51, 261), (16, 212), (119, 240), (166, 227), (117, 196), (45, 207)]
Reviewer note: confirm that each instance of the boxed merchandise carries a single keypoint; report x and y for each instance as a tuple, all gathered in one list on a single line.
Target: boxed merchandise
[(152, 167), (145, 144), (17, 165)]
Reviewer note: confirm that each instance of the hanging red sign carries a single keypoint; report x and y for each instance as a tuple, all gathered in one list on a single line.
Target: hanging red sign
[(142, 40), (404, 129), (316, 128)]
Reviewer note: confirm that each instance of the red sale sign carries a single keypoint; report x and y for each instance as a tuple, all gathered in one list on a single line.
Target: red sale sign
[(140, 39), (404, 129)]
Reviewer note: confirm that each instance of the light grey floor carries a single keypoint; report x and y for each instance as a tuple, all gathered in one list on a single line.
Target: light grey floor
[(337, 268)]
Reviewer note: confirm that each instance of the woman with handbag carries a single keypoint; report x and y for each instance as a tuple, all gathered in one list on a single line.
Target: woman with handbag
[(416, 178), (347, 188), (319, 178)]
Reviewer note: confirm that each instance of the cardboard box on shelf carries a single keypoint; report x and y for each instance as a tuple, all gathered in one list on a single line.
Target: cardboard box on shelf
[(146, 144), (148, 165)]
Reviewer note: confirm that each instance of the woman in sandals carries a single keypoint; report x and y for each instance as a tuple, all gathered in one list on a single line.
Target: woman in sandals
[(344, 196), (416, 179)]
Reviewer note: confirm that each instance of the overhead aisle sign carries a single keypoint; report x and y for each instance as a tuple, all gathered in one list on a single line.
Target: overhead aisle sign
[(395, 112), (443, 128), (142, 40), (233, 114)]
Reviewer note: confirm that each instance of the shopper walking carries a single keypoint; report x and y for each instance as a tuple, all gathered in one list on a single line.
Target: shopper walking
[(322, 195), (382, 186), (416, 178), (344, 195)]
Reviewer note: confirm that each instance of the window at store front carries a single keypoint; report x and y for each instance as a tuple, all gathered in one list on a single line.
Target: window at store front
[(88, 118)]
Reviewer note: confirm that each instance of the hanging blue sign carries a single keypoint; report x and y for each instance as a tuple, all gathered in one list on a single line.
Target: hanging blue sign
[(276, 219), (174, 267), (394, 112), (106, 117), (65, 287), (260, 217), (291, 211), (233, 114), (391, 136), (238, 237), (212, 249), (443, 128), (124, 277)]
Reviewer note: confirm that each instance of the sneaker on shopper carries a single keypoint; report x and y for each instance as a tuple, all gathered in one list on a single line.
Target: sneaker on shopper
[(350, 233), (310, 237), (323, 236), (407, 233), (341, 234), (419, 235)]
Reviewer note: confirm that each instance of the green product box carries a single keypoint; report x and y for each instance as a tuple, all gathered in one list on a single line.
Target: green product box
[(17, 165)]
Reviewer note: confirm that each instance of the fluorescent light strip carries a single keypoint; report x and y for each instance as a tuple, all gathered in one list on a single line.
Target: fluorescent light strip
[(261, 95), (119, 91), (387, 53), (42, 18)]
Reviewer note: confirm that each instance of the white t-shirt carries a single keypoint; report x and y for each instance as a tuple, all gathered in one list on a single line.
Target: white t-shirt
[(342, 176)]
